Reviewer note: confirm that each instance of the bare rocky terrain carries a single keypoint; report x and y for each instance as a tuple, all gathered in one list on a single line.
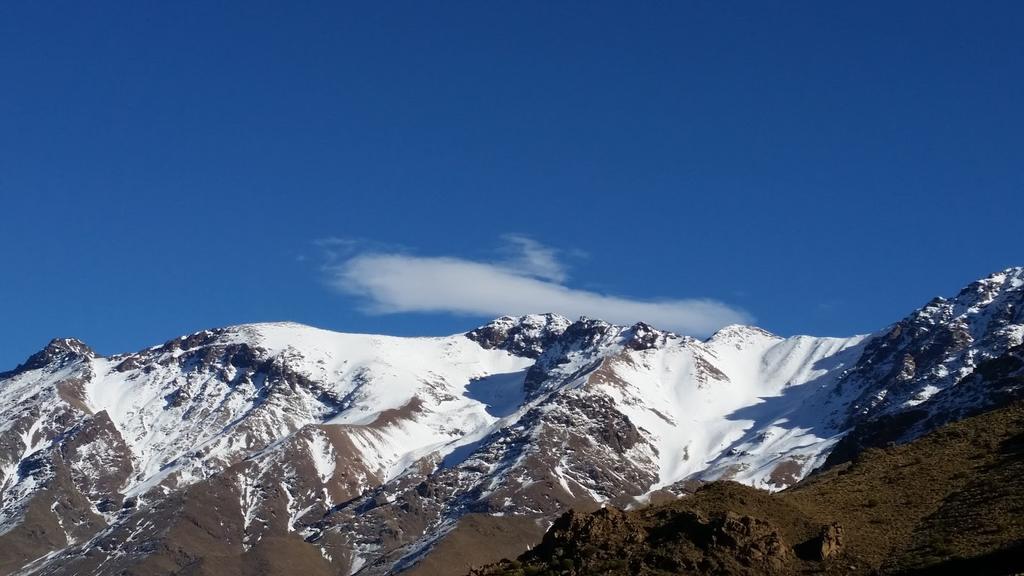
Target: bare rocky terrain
[(947, 503)]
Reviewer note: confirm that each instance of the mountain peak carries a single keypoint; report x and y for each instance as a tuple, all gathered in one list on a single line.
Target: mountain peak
[(643, 336), (737, 333), (525, 335), (1010, 279), (58, 350), (64, 346)]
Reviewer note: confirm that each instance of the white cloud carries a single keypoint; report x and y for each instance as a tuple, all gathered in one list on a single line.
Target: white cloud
[(530, 282), (534, 259)]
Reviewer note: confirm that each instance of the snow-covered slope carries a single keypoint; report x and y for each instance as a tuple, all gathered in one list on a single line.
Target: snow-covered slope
[(740, 413), (243, 389), (358, 453), (200, 405)]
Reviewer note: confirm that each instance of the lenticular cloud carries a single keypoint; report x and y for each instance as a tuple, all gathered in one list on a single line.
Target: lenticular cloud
[(533, 281)]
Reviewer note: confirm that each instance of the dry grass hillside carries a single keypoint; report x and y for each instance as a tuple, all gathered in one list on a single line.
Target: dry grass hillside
[(951, 502)]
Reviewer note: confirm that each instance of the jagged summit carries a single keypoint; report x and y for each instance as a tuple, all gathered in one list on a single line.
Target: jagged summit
[(523, 335), (643, 336), (1012, 277), (992, 286), (928, 353), (741, 333), (57, 351)]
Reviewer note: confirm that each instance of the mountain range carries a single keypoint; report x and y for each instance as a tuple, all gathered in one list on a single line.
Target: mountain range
[(280, 448)]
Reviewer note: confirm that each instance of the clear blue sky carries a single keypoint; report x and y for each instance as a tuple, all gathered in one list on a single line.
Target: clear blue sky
[(171, 166)]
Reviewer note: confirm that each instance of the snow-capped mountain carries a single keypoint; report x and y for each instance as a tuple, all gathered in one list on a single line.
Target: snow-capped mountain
[(278, 448)]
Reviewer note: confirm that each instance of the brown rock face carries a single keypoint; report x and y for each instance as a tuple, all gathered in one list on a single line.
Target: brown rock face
[(824, 546), (753, 541), (831, 541), (573, 527), (611, 541)]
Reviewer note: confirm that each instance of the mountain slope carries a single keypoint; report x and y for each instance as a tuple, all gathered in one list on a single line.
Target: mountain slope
[(256, 448), (947, 503), (242, 400)]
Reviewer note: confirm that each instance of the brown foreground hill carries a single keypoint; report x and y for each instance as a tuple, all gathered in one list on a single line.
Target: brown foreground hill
[(951, 502)]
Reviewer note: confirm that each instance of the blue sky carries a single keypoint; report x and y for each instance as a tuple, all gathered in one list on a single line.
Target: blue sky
[(167, 167)]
